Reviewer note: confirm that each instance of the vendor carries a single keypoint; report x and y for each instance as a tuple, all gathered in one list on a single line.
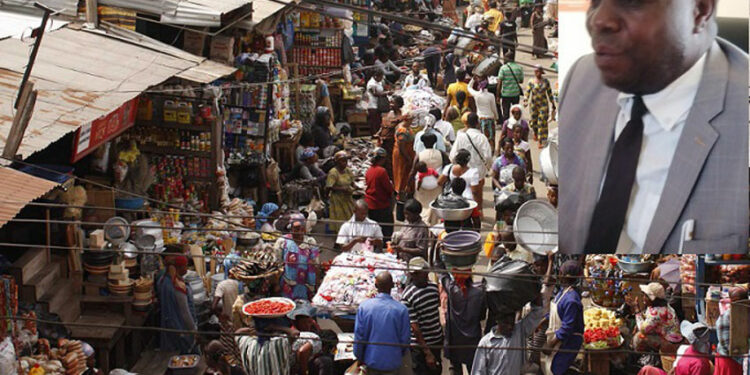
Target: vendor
[(657, 327), (300, 255), (321, 130), (415, 79), (308, 169), (265, 218), (177, 308), (414, 239), (565, 331), (359, 230), (307, 344), (340, 187), (226, 293), (306, 140), (89, 352)]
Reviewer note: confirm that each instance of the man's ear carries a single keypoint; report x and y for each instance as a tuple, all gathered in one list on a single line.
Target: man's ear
[(704, 12)]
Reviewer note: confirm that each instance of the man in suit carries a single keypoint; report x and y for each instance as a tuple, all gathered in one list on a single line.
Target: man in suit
[(654, 134)]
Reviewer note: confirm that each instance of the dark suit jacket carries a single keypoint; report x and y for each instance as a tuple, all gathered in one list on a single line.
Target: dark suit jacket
[(707, 181)]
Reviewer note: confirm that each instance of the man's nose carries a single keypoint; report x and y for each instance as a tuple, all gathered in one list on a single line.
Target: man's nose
[(604, 16)]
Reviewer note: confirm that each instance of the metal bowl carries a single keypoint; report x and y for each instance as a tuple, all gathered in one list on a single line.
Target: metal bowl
[(535, 226), (548, 162), (635, 267), (454, 214)]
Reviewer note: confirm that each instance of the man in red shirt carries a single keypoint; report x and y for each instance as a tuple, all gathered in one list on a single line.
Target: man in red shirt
[(694, 360), (379, 193)]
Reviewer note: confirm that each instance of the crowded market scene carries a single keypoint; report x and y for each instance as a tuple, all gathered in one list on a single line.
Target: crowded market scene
[(318, 187)]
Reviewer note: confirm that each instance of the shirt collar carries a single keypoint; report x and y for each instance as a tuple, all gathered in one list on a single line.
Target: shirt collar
[(672, 104), (383, 296)]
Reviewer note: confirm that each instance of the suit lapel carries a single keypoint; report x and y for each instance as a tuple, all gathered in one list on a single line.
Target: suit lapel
[(597, 147), (694, 147)]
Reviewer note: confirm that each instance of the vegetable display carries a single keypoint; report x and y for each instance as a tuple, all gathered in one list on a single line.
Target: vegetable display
[(602, 329), (267, 307)]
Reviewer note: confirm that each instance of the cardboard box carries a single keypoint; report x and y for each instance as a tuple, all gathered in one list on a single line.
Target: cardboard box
[(96, 239), (100, 198), (222, 49), (194, 42)]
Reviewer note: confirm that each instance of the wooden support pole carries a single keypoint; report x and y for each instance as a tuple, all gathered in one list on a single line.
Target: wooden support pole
[(26, 103), (738, 334), (92, 14)]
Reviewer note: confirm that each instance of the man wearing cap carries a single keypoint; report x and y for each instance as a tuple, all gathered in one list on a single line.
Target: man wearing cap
[(694, 359), (565, 330), (422, 299), (653, 155), (379, 192), (177, 308), (726, 364)]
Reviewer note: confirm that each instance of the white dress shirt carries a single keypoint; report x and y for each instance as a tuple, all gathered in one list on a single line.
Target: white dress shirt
[(422, 81), (482, 145), (668, 110), (446, 129), (485, 101), (353, 229), (373, 87)]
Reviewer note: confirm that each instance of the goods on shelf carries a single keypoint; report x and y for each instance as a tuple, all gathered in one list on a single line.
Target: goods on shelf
[(602, 329), (190, 167), (350, 284), (734, 273), (687, 273), (315, 20)]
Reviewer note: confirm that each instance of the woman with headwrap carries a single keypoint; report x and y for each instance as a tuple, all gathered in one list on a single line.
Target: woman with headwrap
[(403, 157), (386, 134), (300, 255), (340, 186), (88, 351), (264, 219), (515, 119), (177, 307)]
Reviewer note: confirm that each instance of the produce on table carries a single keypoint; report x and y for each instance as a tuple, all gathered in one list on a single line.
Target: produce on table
[(606, 288), (344, 288), (602, 329), (268, 307)]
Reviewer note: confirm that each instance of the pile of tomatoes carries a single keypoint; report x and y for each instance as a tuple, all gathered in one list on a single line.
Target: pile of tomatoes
[(268, 307), (601, 336)]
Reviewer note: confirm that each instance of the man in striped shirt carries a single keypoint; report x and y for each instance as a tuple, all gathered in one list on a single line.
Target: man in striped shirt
[(423, 301), (509, 83)]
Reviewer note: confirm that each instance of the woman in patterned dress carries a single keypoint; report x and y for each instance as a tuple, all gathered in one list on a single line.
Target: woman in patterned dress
[(340, 184), (403, 156), (300, 254), (539, 98)]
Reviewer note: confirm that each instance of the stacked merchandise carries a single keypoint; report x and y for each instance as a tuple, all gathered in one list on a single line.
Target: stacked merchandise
[(70, 353), (144, 293), (351, 280), (120, 283), (687, 273), (607, 290), (317, 44), (8, 303)]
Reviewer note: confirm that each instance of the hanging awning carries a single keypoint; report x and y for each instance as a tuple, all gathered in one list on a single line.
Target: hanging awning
[(66, 7), (17, 25), (82, 76), (266, 15), (17, 190), (182, 12)]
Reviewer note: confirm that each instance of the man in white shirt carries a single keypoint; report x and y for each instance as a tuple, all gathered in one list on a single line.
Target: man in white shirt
[(472, 140), (359, 230), (444, 127), (415, 78), (654, 155), (374, 91), (475, 19), (486, 109)]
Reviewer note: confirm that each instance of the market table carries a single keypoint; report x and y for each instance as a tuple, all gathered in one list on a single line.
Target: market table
[(596, 362)]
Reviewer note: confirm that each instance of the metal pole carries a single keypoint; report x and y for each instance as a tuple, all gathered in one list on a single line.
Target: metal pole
[(35, 50)]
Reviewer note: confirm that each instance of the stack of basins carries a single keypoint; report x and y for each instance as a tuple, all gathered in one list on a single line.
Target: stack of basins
[(96, 264), (460, 249), (144, 292)]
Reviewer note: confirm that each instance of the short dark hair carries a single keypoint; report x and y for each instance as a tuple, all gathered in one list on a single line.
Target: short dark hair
[(329, 339), (421, 167), (429, 139), (458, 185), (436, 113), (510, 56), (506, 140), (472, 120), (413, 206), (399, 100), (462, 158), (461, 74)]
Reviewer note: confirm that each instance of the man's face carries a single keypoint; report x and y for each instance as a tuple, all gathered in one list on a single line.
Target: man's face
[(638, 43), (415, 68), (508, 150), (516, 114), (360, 213)]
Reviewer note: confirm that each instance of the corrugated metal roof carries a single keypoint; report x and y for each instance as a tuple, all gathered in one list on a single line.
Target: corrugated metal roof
[(263, 10), (183, 12), (14, 24), (80, 76), (17, 190), (66, 7), (207, 71)]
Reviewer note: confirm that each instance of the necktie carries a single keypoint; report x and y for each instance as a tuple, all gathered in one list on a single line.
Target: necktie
[(609, 214)]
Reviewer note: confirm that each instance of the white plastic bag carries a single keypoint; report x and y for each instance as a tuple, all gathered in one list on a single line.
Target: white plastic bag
[(8, 363)]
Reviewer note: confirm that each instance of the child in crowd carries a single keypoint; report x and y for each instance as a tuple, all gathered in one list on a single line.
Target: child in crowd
[(426, 177), (322, 363)]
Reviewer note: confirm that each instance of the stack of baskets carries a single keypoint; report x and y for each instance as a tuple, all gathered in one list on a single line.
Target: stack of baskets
[(120, 283), (144, 294)]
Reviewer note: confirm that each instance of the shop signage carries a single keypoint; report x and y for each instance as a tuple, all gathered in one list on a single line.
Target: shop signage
[(92, 135)]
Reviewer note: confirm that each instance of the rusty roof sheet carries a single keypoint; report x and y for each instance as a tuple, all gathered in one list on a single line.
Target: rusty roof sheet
[(17, 190), (80, 76)]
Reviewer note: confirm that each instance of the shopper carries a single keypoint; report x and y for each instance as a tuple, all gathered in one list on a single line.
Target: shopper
[(537, 30), (426, 193), (382, 320), (403, 158), (375, 91), (379, 193), (413, 239), (422, 299), (486, 109), (386, 136), (497, 352), (215, 355), (177, 308), (510, 123), (509, 84), (520, 186), (340, 185), (539, 98), (443, 127), (694, 360), (478, 145), (454, 88), (565, 331), (300, 254), (321, 130)]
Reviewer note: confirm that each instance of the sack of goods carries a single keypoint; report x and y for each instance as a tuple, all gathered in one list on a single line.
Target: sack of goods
[(515, 286)]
